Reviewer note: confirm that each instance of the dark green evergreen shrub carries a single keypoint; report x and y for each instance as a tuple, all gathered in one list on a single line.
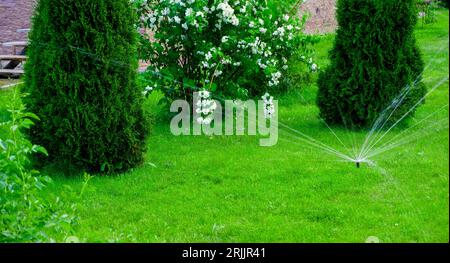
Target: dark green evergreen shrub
[(374, 57), (443, 3), (81, 77)]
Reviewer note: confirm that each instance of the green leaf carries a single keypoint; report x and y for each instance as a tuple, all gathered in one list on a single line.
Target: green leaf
[(102, 168), (30, 115), (213, 87), (26, 123), (39, 149), (3, 145), (188, 83)]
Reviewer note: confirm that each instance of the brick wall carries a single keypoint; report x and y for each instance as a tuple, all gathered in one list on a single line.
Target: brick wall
[(14, 15), (322, 17)]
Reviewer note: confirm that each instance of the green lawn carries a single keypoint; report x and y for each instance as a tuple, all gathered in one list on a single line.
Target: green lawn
[(229, 189)]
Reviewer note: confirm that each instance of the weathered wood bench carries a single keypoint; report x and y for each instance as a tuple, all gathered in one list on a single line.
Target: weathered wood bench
[(12, 62), (15, 45), (13, 57), (11, 72), (10, 68)]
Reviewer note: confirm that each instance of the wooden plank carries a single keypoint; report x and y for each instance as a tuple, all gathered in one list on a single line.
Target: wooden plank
[(23, 30), (15, 44), (13, 57), (7, 72)]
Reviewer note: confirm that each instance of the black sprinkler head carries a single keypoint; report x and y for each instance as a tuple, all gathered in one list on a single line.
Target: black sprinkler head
[(358, 164)]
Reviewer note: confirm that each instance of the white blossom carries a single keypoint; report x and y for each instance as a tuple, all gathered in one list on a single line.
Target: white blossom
[(228, 13), (205, 107), (189, 11), (208, 55), (218, 73), (147, 90), (269, 107), (275, 80), (200, 14), (166, 11)]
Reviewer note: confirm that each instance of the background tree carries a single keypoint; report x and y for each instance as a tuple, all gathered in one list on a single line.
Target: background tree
[(81, 76), (373, 59)]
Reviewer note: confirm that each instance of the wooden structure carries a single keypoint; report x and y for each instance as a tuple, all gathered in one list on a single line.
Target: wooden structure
[(12, 65)]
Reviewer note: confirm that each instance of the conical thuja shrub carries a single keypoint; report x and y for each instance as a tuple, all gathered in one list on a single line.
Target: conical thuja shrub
[(373, 59), (80, 77)]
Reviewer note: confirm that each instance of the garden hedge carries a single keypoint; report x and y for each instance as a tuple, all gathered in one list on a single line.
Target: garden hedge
[(80, 77), (373, 59)]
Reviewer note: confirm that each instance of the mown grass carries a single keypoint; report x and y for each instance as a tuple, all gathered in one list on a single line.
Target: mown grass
[(229, 189)]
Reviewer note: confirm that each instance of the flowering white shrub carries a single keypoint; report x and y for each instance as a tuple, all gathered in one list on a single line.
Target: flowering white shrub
[(205, 107), (147, 90), (269, 107), (234, 48)]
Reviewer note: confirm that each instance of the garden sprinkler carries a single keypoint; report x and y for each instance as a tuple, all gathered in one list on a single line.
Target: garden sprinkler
[(359, 161)]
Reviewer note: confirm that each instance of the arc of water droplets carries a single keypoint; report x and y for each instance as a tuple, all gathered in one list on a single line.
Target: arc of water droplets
[(308, 143), (372, 145), (351, 135), (396, 103), (311, 141), (385, 147), (330, 150), (377, 126), (408, 139), (410, 128), (343, 159), (316, 143)]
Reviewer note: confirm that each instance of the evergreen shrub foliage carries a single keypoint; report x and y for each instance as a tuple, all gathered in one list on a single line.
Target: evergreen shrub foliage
[(81, 77), (373, 59)]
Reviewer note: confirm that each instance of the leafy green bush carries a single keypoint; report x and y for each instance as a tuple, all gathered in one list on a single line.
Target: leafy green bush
[(81, 76), (427, 10), (24, 215), (436, 3), (373, 59), (444, 3), (233, 48)]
